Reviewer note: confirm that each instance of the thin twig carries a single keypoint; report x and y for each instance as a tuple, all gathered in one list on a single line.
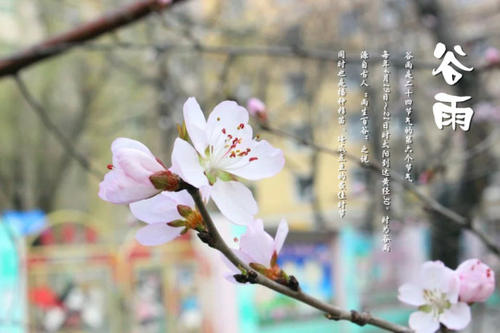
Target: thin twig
[(79, 35), (429, 203), (332, 312), (53, 129)]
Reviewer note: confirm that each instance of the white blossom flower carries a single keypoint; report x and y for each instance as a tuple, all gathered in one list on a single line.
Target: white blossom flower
[(224, 148), (256, 246), (435, 293)]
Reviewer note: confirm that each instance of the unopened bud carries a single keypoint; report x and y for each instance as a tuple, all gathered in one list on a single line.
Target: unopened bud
[(184, 211), (165, 180)]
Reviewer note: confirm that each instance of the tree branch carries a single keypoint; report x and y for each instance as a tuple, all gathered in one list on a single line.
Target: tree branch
[(88, 31), (53, 129), (332, 312)]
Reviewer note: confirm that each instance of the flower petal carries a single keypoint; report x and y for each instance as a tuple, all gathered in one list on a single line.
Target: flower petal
[(118, 188), (423, 322), (122, 143), (435, 275), (161, 208), (227, 114), (256, 245), (137, 164), (457, 317), (157, 234), (235, 201), (411, 294), (195, 124), (186, 164), (263, 161), (280, 237)]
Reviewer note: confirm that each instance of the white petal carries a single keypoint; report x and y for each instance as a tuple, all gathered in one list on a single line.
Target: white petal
[(269, 161), (281, 234), (435, 275), (423, 322), (411, 294), (457, 317), (161, 207), (186, 164), (195, 124), (235, 201), (157, 234), (227, 114)]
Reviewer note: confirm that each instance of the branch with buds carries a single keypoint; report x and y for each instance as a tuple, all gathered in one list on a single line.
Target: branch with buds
[(209, 158), (289, 288)]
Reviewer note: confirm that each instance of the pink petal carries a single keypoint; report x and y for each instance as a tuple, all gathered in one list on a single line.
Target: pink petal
[(263, 161), (162, 207), (137, 164), (411, 294), (186, 164), (126, 143), (256, 244), (281, 234), (195, 124), (235, 201), (118, 188), (457, 317), (157, 234), (423, 322)]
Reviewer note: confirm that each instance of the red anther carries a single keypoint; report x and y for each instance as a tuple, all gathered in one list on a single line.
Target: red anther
[(233, 154), (224, 131), (110, 166), (253, 159), (241, 126)]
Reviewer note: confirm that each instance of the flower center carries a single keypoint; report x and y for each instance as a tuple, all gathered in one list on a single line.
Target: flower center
[(437, 302), (228, 149)]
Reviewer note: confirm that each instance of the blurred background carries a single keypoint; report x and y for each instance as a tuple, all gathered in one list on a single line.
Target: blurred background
[(69, 261)]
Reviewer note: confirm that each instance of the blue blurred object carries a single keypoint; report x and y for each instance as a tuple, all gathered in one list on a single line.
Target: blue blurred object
[(11, 300), (25, 223)]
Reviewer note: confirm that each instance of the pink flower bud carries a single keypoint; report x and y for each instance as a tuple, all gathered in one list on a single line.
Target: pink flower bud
[(492, 56), (477, 281), (257, 108), (129, 177)]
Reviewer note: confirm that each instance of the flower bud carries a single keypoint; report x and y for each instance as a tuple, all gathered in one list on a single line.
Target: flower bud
[(257, 108), (477, 281), (165, 180), (184, 210)]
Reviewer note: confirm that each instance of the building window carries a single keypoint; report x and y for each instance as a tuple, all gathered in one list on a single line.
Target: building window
[(304, 187)]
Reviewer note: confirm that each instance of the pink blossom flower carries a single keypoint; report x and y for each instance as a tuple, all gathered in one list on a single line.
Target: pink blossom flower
[(435, 293), (477, 281), (256, 246), (222, 149), (157, 212), (257, 108), (129, 178)]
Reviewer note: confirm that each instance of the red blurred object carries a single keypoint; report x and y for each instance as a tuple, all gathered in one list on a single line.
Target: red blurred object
[(44, 297)]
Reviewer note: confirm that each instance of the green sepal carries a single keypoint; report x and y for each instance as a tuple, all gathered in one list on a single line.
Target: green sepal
[(177, 223)]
